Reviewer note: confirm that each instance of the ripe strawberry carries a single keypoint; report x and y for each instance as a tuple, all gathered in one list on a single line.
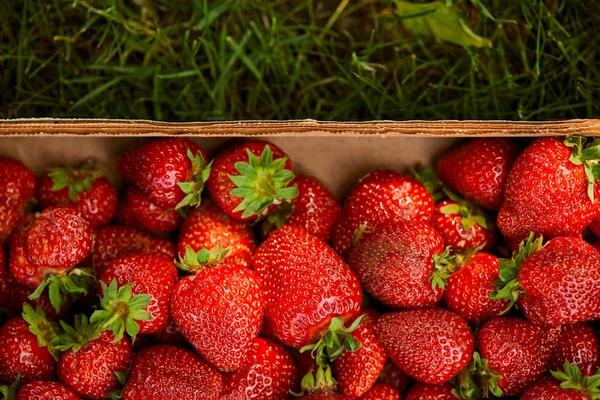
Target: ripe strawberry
[(470, 283), (550, 389), (424, 391), (206, 227), (147, 274), (136, 210), (306, 285), (395, 262), (548, 191), (171, 172), (46, 390), (219, 309), (577, 344), (377, 197), (170, 334), (17, 189), (392, 376), (91, 360), (250, 178), (269, 373), (357, 371), (463, 227), (325, 396), (174, 373), (314, 210), (514, 354), (554, 284), (431, 345), (83, 188), (112, 242), (28, 347), (568, 384), (381, 391), (478, 170)]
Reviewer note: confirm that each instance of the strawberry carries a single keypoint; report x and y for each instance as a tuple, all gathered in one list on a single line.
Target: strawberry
[(171, 172), (568, 384), (315, 209), (269, 373), (424, 391), (514, 354), (17, 189), (577, 344), (91, 360), (381, 391), (479, 169), (325, 396), (206, 227), (84, 188), (28, 347), (112, 242), (554, 284), (470, 283), (174, 373), (395, 262), (394, 377), (46, 390), (550, 389), (219, 309), (306, 285), (136, 210), (431, 345), (548, 191), (170, 334), (377, 197), (357, 371), (147, 274)]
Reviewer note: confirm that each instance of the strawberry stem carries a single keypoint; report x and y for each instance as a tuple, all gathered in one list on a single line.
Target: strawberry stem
[(60, 286), (76, 180), (194, 261), (319, 382), (447, 264), (193, 189), (47, 332), (75, 337), (572, 378), (587, 154)]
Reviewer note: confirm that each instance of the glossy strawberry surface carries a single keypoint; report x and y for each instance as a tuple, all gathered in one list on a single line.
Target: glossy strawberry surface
[(46, 390), (380, 391), (577, 344), (424, 391), (306, 284), (431, 345), (17, 186), (136, 210), (549, 389)]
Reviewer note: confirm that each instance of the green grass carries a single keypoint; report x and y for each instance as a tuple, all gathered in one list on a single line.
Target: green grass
[(290, 59)]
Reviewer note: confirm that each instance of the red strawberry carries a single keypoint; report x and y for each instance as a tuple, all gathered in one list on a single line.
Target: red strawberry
[(17, 188), (250, 178), (478, 170), (577, 344), (471, 282), (219, 309), (269, 373), (395, 262), (463, 227), (113, 242), (325, 396), (46, 390), (83, 188), (91, 360), (431, 345), (148, 275), (424, 391), (548, 192), (306, 285), (381, 391), (568, 384), (136, 210), (170, 171), (27, 347), (174, 373), (550, 389), (554, 284), (170, 334), (206, 227), (377, 197), (394, 377), (514, 354), (357, 371), (314, 210)]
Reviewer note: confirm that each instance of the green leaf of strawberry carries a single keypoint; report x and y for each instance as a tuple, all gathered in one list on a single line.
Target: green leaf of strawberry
[(47, 332), (193, 189), (572, 378), (60, 286), (587, 154), (9, 392), (194, 261), (76, 180)]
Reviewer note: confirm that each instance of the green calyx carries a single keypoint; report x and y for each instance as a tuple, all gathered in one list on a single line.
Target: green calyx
[(193, 189), (47, 332), (123, 377), (429, 179), (508, 286), (60, 286), (75, 180), (470, 213), (476, 380), (333, 343), (277, 218), (9, 392), (318, 382), (194, 261), (262, 182), (448, 263), (572, 378), (587, 154), (80, 334), (120, 310)]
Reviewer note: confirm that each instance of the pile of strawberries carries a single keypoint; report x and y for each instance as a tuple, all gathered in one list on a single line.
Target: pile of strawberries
[(231, 278)]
